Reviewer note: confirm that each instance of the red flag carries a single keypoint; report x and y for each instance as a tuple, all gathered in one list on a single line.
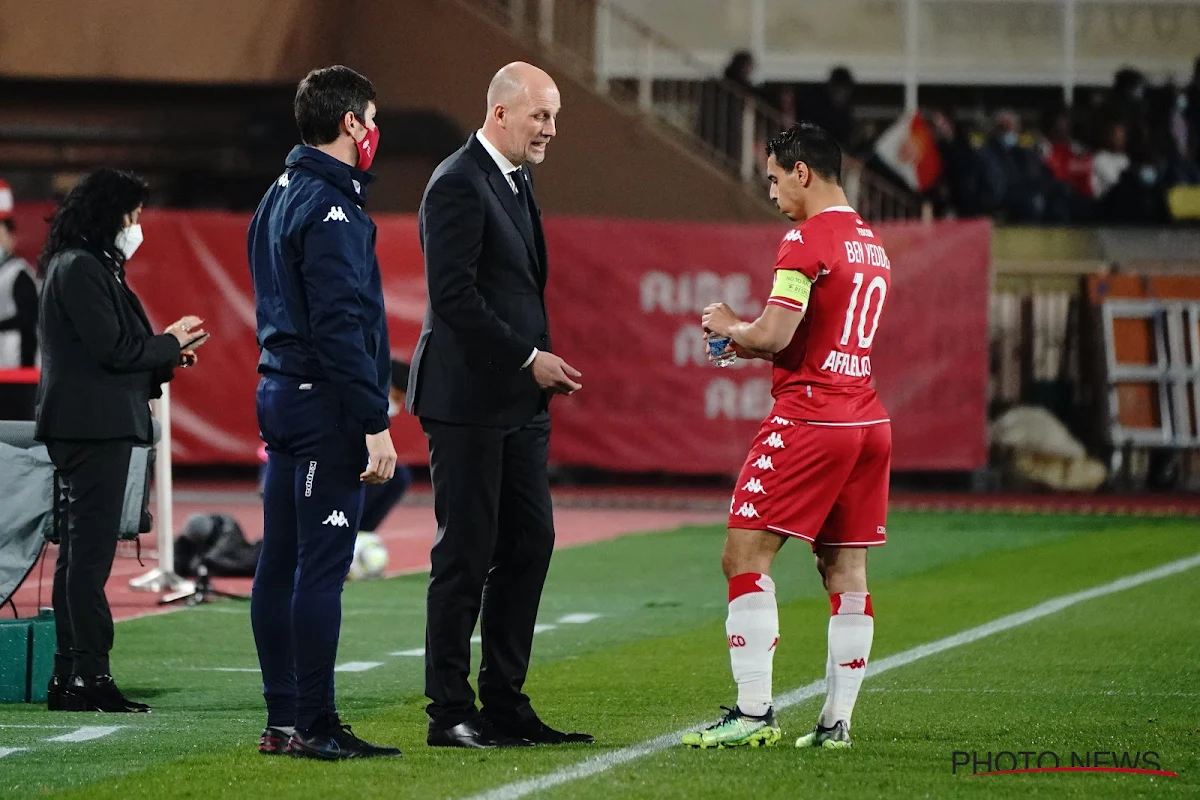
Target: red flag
[(909, 149)]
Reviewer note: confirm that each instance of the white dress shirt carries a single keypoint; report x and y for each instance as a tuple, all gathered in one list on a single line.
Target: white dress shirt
[(508, 169)]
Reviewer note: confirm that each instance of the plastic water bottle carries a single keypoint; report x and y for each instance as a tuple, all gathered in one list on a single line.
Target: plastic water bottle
[(716, 348)]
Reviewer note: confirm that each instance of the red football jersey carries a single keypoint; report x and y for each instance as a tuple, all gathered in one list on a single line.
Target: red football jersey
[(824, 374)]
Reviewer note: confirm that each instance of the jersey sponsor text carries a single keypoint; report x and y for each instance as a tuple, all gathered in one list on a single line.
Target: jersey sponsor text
[(847, 364)]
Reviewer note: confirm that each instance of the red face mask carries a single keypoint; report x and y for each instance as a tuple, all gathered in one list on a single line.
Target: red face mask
[(367, 147)]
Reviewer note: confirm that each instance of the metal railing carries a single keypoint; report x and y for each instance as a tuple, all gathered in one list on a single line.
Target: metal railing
[(726, 122)]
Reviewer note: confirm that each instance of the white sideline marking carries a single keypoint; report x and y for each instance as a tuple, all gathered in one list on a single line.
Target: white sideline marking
[(615, 758), (8, 751), (87, 733), (357, 666), (416, 653), (42, 727), (543, 628), (577, 619), (1025, 692)]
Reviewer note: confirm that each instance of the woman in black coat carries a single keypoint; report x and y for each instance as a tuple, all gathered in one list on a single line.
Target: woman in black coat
[(101, 365)]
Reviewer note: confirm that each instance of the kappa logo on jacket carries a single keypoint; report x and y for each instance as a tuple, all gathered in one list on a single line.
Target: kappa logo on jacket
[(336, 214)]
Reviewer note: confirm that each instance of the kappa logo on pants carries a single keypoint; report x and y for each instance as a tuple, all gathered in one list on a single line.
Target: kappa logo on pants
[(337, 519)]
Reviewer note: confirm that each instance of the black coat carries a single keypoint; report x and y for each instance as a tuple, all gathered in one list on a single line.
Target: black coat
[(101, 362), (485, 270)]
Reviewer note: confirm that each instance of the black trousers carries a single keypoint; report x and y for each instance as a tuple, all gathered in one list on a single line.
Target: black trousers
[(94, 473), (491, 496)]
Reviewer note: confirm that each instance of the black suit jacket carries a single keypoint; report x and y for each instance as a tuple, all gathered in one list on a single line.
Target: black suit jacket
[(101, 362), (485, 270)]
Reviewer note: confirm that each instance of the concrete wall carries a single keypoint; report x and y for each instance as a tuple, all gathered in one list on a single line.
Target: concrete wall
[(603, 162)]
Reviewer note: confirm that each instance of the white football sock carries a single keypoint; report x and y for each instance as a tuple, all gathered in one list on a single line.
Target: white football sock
[(851, 629), (753, 631)]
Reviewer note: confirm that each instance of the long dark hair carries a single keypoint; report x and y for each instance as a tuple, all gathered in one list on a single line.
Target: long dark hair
[(92, 214)]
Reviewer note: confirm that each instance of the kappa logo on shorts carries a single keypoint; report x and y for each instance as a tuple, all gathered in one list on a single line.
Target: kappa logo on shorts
[(774, 440), (754, 486), (337, 519), (748, 511), (764, 462), (781, 421)]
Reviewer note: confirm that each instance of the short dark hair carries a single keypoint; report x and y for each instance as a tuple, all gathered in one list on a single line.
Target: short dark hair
[(400, 372), (811, 144), (324, 97)]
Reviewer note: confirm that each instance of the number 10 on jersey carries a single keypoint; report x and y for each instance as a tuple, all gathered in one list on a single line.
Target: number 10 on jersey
[(876, 288)]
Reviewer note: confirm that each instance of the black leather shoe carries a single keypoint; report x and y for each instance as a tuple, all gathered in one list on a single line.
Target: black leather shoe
[(57, 698), (99, 693), (535, 731), (331, 740), (476, 733)]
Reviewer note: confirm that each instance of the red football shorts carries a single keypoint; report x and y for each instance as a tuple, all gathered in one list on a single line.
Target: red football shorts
[(825, 484)]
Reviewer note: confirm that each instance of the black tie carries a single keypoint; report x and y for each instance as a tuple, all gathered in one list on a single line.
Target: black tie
[(525, 195)]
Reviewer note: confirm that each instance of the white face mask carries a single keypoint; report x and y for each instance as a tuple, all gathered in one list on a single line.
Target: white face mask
[(128, 240)]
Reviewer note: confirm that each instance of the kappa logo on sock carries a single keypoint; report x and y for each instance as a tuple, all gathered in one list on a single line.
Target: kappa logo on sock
[(337, 519), (857, 663)]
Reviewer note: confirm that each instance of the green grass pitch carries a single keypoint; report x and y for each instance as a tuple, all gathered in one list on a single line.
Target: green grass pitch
[(1119, 673)]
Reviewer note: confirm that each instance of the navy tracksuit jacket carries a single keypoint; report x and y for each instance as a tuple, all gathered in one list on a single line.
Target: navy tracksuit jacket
[(326, 368)]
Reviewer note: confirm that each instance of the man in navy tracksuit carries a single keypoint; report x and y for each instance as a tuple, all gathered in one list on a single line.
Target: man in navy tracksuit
[(322, 406)]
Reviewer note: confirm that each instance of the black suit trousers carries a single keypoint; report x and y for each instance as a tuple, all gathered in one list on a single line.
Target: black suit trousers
[(94, 474), (495, 536)]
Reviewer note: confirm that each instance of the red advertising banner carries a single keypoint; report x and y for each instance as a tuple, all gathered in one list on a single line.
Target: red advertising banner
[(624, 299)]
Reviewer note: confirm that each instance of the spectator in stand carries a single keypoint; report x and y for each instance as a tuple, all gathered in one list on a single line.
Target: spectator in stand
[(1015, 182), (1127, 102), (720, 123), (1067, 159), (1069, 163), (18, 294), (833, 109), (1139, 195), (957, 193), (1110, 160), (1175, 138), (787, 108)]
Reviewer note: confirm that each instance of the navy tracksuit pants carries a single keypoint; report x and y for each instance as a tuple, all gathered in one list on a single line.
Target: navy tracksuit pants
[(312, 503)]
